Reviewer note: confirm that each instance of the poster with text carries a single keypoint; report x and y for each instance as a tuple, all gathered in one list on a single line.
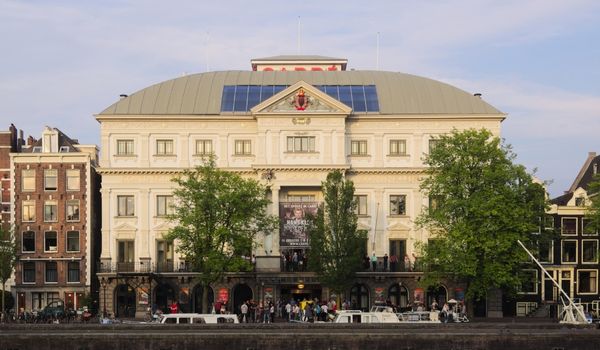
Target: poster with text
[(295, 220)]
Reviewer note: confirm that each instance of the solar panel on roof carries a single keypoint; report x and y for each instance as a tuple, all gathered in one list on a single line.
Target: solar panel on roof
[(241, 98)]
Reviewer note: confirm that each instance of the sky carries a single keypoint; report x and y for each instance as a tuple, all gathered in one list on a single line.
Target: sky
[(62, 62)]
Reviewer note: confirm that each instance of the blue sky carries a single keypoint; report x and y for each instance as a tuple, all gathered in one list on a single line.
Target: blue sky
[(539, 61)]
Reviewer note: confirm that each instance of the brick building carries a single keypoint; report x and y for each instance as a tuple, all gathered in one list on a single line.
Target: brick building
[(54, 190), (10, 142)]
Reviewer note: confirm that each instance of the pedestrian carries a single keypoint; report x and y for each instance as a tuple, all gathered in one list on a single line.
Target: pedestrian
[(272, 312), (385, 262), (174, 307), (244, 313), (393, 262), (374, 262), (288, 311)]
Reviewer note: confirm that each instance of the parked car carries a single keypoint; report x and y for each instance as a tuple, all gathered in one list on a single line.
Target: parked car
[(55, 309)]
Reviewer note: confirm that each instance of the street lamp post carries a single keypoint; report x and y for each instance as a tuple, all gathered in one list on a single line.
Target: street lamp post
[(104, 285)]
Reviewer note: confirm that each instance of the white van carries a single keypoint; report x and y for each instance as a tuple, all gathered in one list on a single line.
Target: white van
[(357, 316), (197, 318)]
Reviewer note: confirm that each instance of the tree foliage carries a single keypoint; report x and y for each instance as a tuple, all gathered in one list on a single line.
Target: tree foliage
[(8, 260), (336, 245), (593, 209), (217, 215), (481, 203)]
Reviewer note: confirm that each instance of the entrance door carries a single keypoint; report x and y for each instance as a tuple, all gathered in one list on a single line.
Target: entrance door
[(125, 296), (566, 282), (398, 248), (550, 292), (197, 299), (70, 300), (164, 296)]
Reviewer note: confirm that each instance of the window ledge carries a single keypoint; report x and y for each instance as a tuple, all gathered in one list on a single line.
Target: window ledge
[(51, 251), (398, 155), (125, 217), (359, 155), (589, 262), (73, 220), (29, 283), (51, 283), (28, 252), (398, 216), (200, 155), (243, 155), (164, 156), (300, 153), (363, 216), (124, 156)]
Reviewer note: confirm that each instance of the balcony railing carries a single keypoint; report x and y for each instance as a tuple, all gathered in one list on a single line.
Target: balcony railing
[(143, 267)]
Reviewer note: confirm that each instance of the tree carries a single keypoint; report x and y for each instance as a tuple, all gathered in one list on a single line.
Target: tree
[(217, 215), (481, 203), (8, 260), (336, 245), (592, 212)]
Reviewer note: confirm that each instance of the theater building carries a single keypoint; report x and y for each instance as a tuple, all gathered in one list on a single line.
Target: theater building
[(53, 195), (287, 123)]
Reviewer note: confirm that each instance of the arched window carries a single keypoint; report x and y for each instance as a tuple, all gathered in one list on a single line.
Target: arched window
[(398, 295), (359, 297)]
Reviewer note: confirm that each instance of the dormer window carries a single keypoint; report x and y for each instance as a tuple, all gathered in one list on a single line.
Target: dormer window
[(579, 202), (37, 149), (64, 149)]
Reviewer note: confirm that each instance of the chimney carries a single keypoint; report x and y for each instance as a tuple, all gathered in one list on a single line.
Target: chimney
[(591, 154), (30, 140)]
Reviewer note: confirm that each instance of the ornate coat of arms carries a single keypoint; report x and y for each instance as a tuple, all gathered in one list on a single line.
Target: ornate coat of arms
[(301, 101)]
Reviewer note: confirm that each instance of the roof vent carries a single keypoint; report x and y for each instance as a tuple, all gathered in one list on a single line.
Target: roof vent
[(477, 94), (122, 95)]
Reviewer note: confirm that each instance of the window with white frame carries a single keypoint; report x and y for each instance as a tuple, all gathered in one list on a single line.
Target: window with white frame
[(587, 281), (28, 180), (243, 147), (50, 242), (164, 147), (529, 281), (73, 210), (28, 209), (397, 147), (204, 147), (72, 241), (568, 226), (589, 251), (164, 205), (358, 147), (51, 272), (125, 206), (588, 230), (548, 223), (73, 179), (569, 251), (29, 272), (50, 179), (28, 242), (124, 147), (50, 211), (397, 204), (300, 144), (73, 272), (361, 204)]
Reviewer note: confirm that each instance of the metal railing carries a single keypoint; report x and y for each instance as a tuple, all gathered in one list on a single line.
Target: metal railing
[(142, 267)]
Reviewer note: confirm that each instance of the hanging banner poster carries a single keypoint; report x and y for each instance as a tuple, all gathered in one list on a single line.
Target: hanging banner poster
[(223, 295), (295, 220)]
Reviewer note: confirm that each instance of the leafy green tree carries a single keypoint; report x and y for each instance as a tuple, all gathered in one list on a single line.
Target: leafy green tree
[(8, 260), (217, 215), (593, 209), (481, 203), (336, 245)]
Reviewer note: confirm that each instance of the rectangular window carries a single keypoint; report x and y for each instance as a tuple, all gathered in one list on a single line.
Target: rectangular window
[(51, 272), (243, 147), (529, 279), (358, 148), (73, 210), (29, 272), (433, 144), (300, 144), (50, 211), (125, 147), (361, 204), (164, 147), (568, 226), (125, 206), (28, 180), (587, 281), (28, 208), (73, 274), (397, 147), (300, 198), (50, 179), (548, 222), (73, 179), (28, 242), (52, 296), (588, 230), (50, 242), (125, 256), (397, 205), (589, 251), (569, 251), (204, 147), (72, 241), (164, 255), (164, 205), (546, 250)]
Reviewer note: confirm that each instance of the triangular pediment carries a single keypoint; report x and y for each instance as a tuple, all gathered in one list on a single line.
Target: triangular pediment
[(301, 99), (398, 227), (163, 226), (362, 226), (125, 227)]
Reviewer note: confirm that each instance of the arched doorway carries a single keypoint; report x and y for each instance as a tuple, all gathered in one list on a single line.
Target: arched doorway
[(164, 295), (439, 293), (398, 295), (125, 301), (241, 293), (197, 299), (359, 297)]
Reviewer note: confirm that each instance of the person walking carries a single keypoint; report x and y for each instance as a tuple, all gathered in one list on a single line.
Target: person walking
[(244, 313), (385, 262)]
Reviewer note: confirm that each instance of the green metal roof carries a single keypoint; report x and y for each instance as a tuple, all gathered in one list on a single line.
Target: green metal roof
[(398, 93)]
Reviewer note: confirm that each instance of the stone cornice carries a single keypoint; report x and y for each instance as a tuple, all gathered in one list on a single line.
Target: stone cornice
[(264, 167)]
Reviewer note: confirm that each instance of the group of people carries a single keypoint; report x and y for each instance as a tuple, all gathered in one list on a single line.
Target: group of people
[(450, 312), (294, 261), (252, 312), (390, 263)]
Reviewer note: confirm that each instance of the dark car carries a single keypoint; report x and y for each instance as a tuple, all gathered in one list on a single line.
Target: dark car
[(55, 309)]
